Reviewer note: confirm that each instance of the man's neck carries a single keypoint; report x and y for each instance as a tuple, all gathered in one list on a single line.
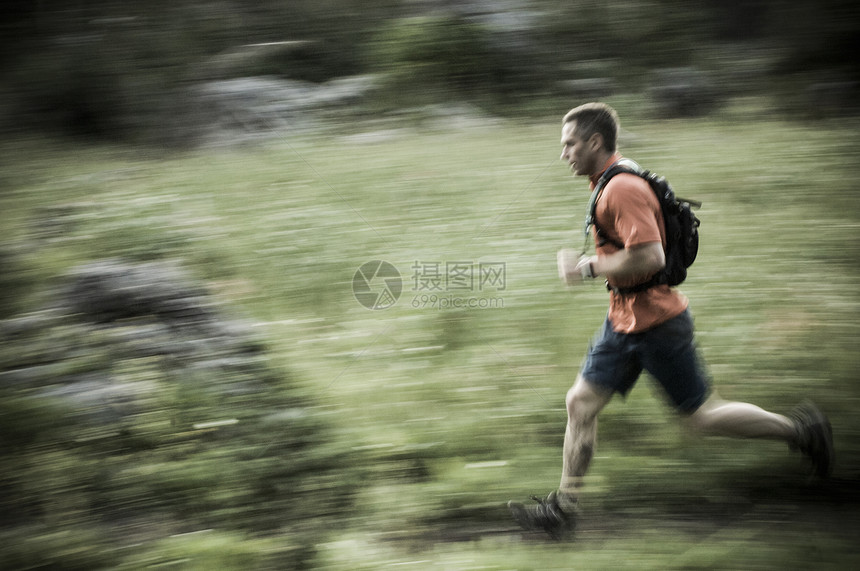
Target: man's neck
[(604, 161)]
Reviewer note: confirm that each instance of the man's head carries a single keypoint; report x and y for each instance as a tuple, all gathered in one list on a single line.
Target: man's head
[(589, 136)]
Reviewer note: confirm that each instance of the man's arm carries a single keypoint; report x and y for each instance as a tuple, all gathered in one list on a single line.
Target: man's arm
[(647, 259)]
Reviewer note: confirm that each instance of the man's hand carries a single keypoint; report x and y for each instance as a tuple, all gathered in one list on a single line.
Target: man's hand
[(573, 268)]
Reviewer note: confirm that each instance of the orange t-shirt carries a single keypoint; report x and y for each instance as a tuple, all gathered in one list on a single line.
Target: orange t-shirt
[(629, 213)]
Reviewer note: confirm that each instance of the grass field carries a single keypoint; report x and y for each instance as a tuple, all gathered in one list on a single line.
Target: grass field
[(452, 398)]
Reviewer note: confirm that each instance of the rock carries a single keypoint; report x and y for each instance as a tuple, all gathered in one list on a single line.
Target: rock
[(236, 62), (110, 290), (101, 401), (118, 332), (264, 107)]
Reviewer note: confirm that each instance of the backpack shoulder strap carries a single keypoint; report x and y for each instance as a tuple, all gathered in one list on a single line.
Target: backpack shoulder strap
[(624, 165), (618, 167)]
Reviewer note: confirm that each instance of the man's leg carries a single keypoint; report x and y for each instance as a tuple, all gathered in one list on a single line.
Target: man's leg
[(807, 430), (741, 420), (555, 513), (584, 402), (669, 354), (610, 366)]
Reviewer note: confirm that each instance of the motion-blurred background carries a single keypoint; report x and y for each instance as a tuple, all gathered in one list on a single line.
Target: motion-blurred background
[(195, 201), (163, 71)]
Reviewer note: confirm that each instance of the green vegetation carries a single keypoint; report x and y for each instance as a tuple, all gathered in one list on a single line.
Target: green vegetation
[(420, 422), (425, 59), (110, 70)]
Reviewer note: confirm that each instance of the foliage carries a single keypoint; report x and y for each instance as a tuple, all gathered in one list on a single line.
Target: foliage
[(115, 427), (114, 71), (108, 70), (425, 57)]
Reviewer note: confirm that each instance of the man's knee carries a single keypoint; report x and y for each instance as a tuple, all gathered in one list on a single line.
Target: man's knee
[(571, 401), (696, 421), (584, 400), (696, 413)]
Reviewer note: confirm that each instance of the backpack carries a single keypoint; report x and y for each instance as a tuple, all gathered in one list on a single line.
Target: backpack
[(682, 226)]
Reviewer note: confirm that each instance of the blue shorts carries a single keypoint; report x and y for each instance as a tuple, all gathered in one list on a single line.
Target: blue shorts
[(615, 361)]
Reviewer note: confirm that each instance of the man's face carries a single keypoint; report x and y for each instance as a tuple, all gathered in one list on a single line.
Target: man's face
[(579, 153)]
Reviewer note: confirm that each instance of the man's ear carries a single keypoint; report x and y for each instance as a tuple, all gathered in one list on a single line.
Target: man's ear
[(596, 142)]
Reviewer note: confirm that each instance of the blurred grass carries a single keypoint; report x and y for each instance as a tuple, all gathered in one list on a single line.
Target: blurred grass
[(455, 411)]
